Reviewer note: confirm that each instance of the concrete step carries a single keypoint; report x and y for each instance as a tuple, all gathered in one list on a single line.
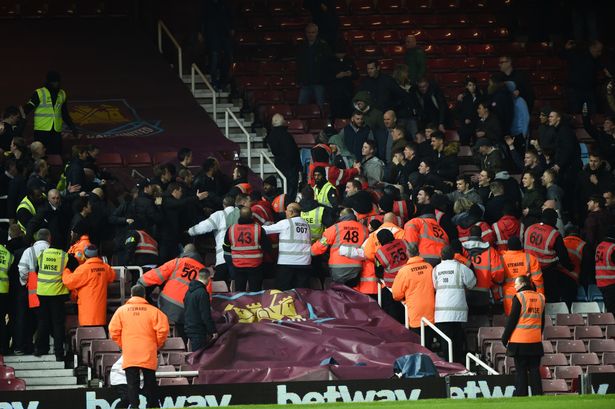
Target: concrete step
[(232, 124), (221, 108), (38, 373), (29, 358), (52, 387), (58, 380), (202, 92)]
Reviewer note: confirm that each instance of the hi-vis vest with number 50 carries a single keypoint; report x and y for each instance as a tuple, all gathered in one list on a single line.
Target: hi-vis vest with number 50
[(176, 276)]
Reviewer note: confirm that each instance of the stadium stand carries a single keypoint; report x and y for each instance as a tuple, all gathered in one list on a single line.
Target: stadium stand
[(460, 39)]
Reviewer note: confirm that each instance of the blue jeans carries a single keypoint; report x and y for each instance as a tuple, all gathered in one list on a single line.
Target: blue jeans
[(307, 91)]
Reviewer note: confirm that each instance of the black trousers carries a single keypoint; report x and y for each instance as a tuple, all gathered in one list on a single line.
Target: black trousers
[(26, 321), (149, 386), (251, 278), (289, 277), (454, 331), (558, 286), (51, 319), (527, 368), (608, 293), (394, 308), (4, 331)]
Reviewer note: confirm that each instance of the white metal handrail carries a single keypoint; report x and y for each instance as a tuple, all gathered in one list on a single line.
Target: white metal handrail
[(162, 27), (406, 318), (471, 357), (227, 113), (176, 374), (194, 69), (278, 171), (442, 334)]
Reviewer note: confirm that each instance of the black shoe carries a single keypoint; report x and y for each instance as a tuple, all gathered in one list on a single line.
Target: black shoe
[(59, 358), (38, 353)]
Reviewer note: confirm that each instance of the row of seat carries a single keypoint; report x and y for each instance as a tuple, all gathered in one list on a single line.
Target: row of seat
[(400, 21), (66, 8), (370, 7)]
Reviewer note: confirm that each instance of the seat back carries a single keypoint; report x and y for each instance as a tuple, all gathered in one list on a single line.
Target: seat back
[(15, 384), (174, 381), (7, 372), (569, 319)]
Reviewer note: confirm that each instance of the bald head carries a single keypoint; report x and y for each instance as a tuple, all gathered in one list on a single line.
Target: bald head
[(37, 149), (390, 119), (549, 204), (245, 213), (98, 192), (389, 218), (54, 197), (410, 41), (293, 210), (311, 32)]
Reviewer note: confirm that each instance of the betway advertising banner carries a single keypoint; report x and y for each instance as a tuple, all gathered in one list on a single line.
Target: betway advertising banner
[(237, 394)]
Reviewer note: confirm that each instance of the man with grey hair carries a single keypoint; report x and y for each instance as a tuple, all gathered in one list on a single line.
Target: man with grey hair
[(413, 285), (312, 55), (55, 215), (285, 153), (26, 318)]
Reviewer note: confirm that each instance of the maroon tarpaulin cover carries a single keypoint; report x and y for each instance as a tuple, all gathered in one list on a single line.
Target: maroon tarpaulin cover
[(303, 334)]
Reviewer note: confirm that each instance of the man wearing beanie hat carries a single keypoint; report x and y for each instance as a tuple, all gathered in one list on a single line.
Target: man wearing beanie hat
[(516, 263), (390, 258), (50, 112), (89, 281), (543, 241), (605, 269)]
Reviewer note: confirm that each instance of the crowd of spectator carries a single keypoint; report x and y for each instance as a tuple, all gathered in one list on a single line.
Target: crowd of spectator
[(385, 196)]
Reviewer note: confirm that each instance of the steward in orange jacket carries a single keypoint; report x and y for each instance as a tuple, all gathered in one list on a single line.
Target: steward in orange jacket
[(516, 263), (523, 336), (486, 264), (348, 232), (90, 281), (176, 275), (368, 282), (390, 258), (414, 285), (579, 253), (140, 330), (426, 233)]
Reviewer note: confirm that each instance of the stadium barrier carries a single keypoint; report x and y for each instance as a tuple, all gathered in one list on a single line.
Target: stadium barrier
[(283, 393)]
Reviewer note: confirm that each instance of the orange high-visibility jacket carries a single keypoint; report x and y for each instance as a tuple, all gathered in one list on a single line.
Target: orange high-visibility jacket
[(574, 246), (517, 263), (529, 326), (426, 233), (78, 248), (90, 281), (176, 275), (414, 285), (139, 329), (348, 233), (368, 283), (605, 269)]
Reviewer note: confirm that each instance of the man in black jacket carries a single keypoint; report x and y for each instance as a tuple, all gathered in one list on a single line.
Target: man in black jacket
[(285, 152), (384, 91), (432, 105), (312, 55), (198, 324), (54, 215), (145, 209), (173, 204), (523, 340), (567, 158)]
